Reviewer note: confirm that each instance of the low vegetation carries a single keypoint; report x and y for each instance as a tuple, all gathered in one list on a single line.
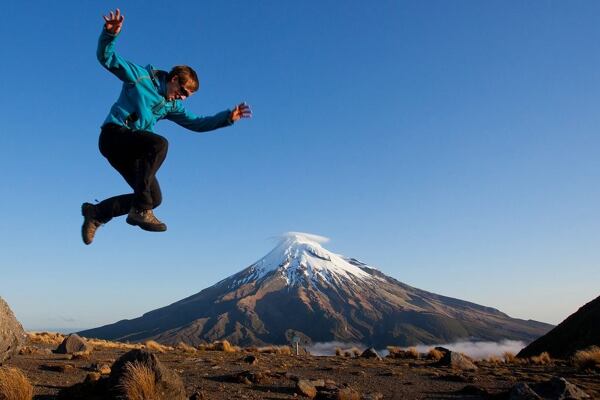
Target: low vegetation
[(542, 359), (434, 354), (219, 345), (138, 383), (50, 338), (151, 345), (14, 385), (186, 348), (285, 350), (588, 358), (398, 352)]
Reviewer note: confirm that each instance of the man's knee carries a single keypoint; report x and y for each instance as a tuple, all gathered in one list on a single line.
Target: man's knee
[(161, 144)]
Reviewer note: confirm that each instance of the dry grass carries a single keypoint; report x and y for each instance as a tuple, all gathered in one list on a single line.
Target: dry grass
[(155, 346), (588, 358), (50, 338), (219, 345), (494, 360), (542, 359), (186, 348), (285, 350), (14, 385), (138, 382), (338, 352), (435, 355), (96, 343), (398, 352), (510, 358)]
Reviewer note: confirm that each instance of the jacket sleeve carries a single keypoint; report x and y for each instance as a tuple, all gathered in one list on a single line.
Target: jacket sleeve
[(109, 59), (199, 124)]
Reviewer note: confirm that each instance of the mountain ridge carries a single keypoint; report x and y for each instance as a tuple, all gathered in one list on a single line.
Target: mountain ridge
[(301, 289)]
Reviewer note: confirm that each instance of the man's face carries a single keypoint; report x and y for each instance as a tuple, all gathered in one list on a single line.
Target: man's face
[(176, 90)]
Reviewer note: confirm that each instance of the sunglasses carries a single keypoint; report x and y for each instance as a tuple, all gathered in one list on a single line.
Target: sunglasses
[(183, 91)]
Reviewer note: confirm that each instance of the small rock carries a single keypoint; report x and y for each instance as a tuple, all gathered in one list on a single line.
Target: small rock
[(198, 395), (371, 353), (92, 377), (456, 360), (58, 367), (373, 396), (305, 388), (251, 359), (522, 391)]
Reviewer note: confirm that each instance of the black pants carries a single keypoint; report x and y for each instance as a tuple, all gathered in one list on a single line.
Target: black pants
[(137, 155)]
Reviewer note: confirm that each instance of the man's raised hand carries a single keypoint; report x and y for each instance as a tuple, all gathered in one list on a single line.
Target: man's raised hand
[(113, 21), (242, 110)]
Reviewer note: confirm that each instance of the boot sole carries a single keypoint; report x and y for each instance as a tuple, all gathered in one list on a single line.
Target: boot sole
[(147, 227)]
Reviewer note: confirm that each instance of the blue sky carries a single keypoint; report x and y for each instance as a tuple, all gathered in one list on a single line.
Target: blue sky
[(452, 145)]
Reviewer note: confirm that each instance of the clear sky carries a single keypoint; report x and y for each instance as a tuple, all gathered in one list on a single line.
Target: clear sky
[(451, 144)]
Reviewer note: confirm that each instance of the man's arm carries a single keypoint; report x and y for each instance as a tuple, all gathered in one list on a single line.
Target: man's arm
[(108, 58), (203, 124)]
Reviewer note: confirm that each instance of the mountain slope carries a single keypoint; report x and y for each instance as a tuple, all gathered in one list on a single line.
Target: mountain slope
[(580, 330), (302, 289)]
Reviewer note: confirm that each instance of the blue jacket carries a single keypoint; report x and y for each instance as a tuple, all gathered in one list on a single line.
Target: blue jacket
[(142, 101)]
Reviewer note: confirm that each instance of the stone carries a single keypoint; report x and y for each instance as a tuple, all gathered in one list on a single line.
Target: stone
[(373, 396), (306, 388), (168, 383), (371, 353), (522, 391), (456, 360), (73, 344), (12, 335), (251, 359), (559, 389)]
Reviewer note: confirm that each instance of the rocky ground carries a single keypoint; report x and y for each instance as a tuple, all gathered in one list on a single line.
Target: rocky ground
[(233, 375)]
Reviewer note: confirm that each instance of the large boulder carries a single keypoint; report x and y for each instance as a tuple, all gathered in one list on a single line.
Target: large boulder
[(169, 385), (73, 344), (12, 335)]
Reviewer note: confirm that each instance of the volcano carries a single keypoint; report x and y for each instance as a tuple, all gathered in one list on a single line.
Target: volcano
[(300, 289)]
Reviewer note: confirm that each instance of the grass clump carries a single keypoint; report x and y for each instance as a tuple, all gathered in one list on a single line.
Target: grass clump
[(398, 352), (435, 354), (542, 359), (14, 385), (219, 345), (285, 350), (138, 382), (50, 338), (155, 346), (588, 358), (186, 348)]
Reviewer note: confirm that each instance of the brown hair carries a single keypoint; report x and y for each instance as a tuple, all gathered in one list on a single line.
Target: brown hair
[(186, 76)]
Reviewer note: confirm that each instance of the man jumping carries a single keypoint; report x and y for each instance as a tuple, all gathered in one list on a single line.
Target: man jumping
[(127, 137)]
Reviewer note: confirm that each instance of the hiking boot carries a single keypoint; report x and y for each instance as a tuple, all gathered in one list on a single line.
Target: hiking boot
[(90, 223), (146, 220)]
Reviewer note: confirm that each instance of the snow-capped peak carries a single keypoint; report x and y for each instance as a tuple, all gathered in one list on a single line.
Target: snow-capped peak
[(300, 257)]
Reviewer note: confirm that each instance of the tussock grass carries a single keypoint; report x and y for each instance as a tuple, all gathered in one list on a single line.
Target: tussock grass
[(46, 338), (434, 354), (186, 348), (285, 350), (494, 360), (138, 382), (14, 385), (155, 346), (542, 359), (398, 352), (96, 343), (219, 345), (349, 353), (588, 358), (511, 358)]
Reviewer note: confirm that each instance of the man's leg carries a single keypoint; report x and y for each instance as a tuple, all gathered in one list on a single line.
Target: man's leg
[(137, 156)]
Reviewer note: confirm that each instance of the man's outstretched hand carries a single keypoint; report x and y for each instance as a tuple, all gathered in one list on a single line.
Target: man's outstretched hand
[(242, 110), (114, 21)]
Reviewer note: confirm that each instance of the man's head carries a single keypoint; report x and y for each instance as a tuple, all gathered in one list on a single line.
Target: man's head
[(182, 81)]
